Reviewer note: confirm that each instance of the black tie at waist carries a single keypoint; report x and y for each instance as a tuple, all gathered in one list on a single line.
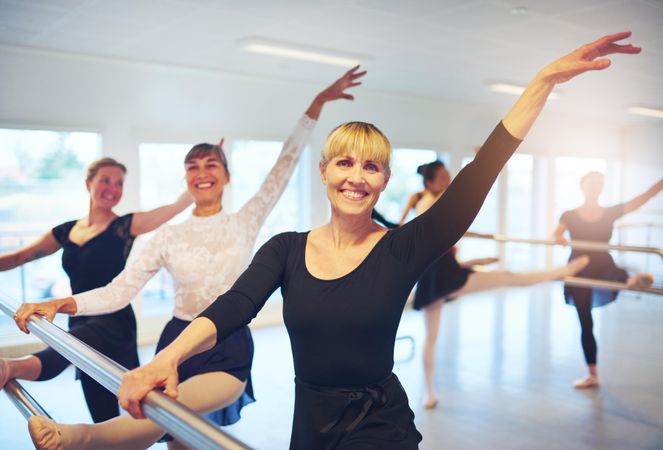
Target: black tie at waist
[(333, 417)]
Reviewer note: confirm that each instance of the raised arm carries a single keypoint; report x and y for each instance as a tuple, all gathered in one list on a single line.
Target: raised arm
[(259, 207), (436, 230), (144, 222), (44, 246), (524, 112), (227, 314), (643, 198)]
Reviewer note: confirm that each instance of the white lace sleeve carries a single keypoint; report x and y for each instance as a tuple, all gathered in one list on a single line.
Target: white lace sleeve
[(261, 204), (124, 287)]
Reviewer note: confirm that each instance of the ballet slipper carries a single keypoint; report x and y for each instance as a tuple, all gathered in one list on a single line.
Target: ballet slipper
[(640, 280), (590, 381), (4, 372), (45, 433), (577, 264)]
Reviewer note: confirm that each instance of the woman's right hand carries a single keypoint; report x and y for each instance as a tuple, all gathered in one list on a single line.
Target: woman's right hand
[(43, 309), (561, 240), (161, 372)]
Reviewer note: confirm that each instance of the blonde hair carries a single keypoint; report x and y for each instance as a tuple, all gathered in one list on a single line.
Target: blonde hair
[(363, 139), (94, 167)]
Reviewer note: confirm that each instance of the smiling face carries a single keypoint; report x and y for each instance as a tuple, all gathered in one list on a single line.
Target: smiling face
[(106, 187), (205, 178), (355, 167), (353, 184)]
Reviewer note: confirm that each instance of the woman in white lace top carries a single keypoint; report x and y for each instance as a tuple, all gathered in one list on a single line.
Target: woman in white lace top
[(205, 255)]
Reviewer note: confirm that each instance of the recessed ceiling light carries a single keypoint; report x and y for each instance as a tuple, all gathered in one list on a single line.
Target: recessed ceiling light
[(518, 10), (514, 89), (643, 111), (300, 52)]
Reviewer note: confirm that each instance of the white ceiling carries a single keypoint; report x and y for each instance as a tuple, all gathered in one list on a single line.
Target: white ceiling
[(429, 48)]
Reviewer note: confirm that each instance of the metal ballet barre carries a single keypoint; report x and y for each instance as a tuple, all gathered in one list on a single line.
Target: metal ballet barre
[(23, 401), (610, 285), (583, 245), (178, 420)]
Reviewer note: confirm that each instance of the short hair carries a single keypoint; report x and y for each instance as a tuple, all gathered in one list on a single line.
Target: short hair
[(94, 167), (428, 170), (203, 150), (588, 175), (364, 139)]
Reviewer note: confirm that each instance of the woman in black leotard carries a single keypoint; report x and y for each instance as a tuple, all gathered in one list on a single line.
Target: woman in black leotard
[(447, 278), (345, 284), (95, 250), (591, 222)]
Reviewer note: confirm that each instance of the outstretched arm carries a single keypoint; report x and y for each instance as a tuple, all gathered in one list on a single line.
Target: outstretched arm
[(107, 299), (524, 113), (444, 223), (144, 222), (259, 207), (43, 246), (643, 198)]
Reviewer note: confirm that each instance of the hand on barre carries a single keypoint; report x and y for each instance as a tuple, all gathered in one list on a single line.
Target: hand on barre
[(46, 310)]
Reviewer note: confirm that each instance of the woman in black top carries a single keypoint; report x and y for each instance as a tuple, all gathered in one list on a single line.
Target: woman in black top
[(344, 284), (446, 278), (95, 250), (592, 222)]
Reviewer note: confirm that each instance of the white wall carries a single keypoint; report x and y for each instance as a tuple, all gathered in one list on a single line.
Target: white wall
[(131, 102)]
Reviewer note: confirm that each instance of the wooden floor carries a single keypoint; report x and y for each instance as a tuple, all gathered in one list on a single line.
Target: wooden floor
[(506, 362)]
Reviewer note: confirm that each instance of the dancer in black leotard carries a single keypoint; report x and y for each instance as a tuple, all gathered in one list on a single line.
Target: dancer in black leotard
[(446, 278), (345, 284), (95, 250), (591, 222)]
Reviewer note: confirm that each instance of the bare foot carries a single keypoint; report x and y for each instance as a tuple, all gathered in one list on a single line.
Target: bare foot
[(640, 279), (577, 264), (430, 402), (45, 433), (590, 381), (4, 372)]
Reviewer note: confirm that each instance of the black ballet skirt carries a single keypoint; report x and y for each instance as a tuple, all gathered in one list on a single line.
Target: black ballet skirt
[(233, 356), (601, 265), (93, 265), (442, 278), (364, 418)]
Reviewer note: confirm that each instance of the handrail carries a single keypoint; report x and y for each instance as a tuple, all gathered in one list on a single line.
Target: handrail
[(610, 285), (655, 225), (178, 420), (583, 245), (24, 402)]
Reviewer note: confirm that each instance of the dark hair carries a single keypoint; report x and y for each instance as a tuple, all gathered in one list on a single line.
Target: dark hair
[(202, 150), (429, 170), (94, 167)]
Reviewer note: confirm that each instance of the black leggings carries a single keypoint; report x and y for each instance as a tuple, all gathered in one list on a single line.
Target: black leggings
[(583, 302), (114, 335), (101, 402)]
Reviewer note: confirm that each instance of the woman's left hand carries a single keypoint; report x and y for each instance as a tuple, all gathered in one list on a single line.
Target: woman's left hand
[(136, 384), (584, 58), (337, 89)]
